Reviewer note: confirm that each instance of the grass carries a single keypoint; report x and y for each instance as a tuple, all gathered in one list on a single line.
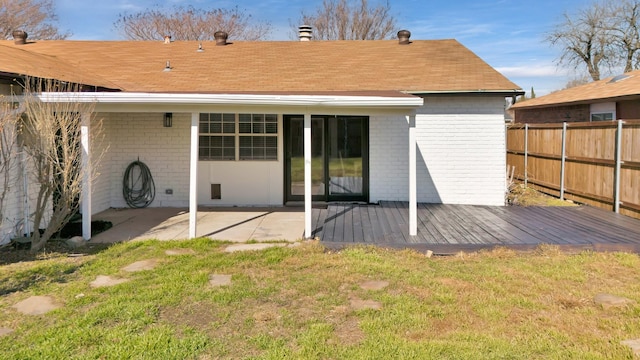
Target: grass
[(295, 302)]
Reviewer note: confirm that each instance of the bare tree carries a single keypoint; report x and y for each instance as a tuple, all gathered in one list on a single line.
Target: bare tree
[(189, 23), (585, 39), (36, 17), (344, 20), (625, 31), (51, 133), (8, 151)]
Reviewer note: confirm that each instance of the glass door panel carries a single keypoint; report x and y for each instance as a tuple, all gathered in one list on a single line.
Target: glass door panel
[(345, 152), (339, 151), (296, 158)]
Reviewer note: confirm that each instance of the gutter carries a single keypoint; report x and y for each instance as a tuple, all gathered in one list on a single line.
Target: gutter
[(508, 92), (232, 99)]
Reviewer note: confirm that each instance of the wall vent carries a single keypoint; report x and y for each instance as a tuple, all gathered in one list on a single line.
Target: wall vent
[(216, 194)]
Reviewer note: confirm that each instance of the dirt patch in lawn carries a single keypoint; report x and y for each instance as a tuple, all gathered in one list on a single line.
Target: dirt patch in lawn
[(520, 195)]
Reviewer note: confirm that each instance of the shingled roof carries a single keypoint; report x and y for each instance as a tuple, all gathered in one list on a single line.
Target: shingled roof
[(316, 67), (626, 86)]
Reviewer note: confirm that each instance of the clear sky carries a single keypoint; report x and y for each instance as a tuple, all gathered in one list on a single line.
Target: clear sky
[(507, 34)]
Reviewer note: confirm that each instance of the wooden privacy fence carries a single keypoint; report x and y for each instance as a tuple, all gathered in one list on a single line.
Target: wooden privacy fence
[(596, 163)]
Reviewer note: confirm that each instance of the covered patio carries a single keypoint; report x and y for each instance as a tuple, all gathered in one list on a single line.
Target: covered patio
[(443, 229)]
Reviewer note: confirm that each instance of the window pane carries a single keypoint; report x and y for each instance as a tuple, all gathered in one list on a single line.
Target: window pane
[(229, 128), (271, 141), (229, 154), (271, 154), (215, 128), (215, 117), (258, 128), (229, 141), (245, 141), (244, 128), (229, 117), (271, 128), (204, 117), (245, 153)]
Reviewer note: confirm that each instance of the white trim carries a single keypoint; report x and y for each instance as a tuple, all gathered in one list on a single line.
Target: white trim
[(232, 99), (413, 188), (85, 120), (193, 176), (307, 176)]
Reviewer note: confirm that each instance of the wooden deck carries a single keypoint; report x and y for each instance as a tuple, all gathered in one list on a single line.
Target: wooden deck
[(446, 229)]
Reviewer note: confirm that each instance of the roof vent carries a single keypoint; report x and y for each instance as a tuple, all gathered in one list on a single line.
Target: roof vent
[(19, 37), (304, 32), (167, 66), (221, 37), (167, 39), (403, 37), (620, 77)]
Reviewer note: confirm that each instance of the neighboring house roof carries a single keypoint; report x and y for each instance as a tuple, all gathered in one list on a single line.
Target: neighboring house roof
[(622, 87), (287, 67), (21, 61)]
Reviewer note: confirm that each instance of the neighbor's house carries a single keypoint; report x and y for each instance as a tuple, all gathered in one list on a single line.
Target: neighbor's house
[(612, 98), (272, 123)]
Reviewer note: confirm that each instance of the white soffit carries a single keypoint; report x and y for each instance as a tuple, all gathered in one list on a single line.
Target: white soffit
[(234, 99)]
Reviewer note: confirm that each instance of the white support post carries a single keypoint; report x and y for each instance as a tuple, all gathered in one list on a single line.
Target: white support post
[(616, 195), (193, 177), (563, 161), (307, 176), (413, 190), (526, 154), (85, 124)]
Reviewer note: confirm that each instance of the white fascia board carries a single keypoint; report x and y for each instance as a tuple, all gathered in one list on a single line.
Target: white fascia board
[(233, 99)]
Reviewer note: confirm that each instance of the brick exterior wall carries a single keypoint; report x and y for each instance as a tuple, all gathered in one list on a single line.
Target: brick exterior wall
[(133, 136), (555, 114), (461, 152)]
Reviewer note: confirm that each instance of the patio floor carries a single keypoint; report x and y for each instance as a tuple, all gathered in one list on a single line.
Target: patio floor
[(448, 229), (443, 229), (232, 224)]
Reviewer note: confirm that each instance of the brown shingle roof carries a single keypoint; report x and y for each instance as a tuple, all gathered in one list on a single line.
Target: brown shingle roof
[(596, 91), (17, 60), (272, 66)]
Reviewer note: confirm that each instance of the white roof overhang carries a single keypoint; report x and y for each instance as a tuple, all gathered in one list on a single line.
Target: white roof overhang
[(406, 102)]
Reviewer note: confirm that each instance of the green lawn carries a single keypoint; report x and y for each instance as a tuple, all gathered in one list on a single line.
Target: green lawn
[(297, 302)]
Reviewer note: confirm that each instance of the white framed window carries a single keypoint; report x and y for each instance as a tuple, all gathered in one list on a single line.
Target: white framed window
[(238, 137), (604, 116)]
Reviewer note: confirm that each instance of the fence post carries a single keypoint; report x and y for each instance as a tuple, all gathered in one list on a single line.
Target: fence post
[(562, 162), (526, 146), (616, 196)]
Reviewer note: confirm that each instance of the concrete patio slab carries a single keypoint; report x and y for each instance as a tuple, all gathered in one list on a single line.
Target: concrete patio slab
[(230, 224)]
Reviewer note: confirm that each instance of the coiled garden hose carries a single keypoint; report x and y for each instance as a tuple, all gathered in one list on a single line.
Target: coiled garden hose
[(138, 187)]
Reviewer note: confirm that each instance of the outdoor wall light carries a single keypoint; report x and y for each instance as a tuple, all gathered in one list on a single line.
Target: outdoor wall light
[(168, 119)]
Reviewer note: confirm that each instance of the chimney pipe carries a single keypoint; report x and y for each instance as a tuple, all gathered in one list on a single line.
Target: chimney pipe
[(403, 37), (304, 32), (167, 39), (19, 37), (221, 37)]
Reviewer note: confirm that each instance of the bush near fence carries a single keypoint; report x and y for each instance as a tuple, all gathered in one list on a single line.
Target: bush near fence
[(596, 163)]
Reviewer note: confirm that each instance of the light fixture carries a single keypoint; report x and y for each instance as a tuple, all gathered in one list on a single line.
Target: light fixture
[(168, 119)]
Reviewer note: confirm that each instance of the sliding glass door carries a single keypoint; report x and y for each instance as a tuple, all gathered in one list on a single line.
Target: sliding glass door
[(339, 164)]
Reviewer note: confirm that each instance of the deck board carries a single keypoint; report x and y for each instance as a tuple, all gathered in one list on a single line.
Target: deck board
[(466, 227)]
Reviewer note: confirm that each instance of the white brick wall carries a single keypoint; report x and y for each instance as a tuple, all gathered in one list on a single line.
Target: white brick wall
[(133, 136), (461, 152)]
